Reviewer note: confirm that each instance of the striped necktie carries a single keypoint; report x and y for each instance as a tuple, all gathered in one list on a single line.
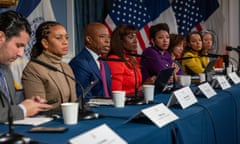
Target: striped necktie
[(3, 84), (104, 80)]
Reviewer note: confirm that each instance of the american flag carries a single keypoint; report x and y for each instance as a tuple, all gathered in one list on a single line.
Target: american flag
[(190, 13), (139, 13)]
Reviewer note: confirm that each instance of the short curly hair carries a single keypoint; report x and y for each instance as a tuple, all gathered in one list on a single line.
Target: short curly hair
[(156, 28)]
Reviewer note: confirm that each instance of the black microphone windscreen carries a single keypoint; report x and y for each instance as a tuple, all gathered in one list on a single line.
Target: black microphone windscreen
[(111, 59), (140, 55), (185, 58), (135, 55), (229, 48), (213, 55)]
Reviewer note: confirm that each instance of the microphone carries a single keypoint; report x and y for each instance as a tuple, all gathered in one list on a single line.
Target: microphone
[(11, 136), (213, 55), (208, 55), (83, 113), (111, 59), (225, 59), (185, 58), (136, 55), (46, 65), (229, 48), (139, 55)]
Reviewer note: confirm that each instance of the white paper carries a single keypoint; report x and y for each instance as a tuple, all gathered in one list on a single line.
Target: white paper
[(185, 97), (234, 77), (99, 135), (35, 121), (207, 90), (222, 81), (160, 115)]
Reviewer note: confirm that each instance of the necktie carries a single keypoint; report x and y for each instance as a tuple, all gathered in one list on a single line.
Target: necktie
[(104, 80), (3, 84)]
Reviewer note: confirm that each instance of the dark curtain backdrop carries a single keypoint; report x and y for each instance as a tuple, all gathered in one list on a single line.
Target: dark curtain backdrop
[(87, 11)]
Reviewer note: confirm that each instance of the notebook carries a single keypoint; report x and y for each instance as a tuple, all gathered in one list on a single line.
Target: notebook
[(210, 66), (95, 101), (162, 80), (209, 70)]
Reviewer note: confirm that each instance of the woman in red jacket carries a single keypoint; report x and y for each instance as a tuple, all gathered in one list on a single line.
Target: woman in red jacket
[(126, 73)]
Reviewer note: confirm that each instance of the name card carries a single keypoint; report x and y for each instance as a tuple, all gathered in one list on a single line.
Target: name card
[(234, 77), (184, 97), (207, 90), (222, 81), (159, 114), (99, 135)]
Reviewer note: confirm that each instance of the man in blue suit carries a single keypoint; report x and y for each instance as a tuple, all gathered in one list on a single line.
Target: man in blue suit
[(86, 65)]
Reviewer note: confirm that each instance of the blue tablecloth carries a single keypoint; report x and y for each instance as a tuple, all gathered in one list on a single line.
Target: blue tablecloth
[(210, 121)]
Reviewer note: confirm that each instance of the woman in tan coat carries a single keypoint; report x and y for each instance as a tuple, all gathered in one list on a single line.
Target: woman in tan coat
[(51, 45)]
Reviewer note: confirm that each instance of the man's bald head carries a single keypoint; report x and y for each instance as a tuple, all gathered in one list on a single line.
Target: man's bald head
[(92, 28), (97, 38)]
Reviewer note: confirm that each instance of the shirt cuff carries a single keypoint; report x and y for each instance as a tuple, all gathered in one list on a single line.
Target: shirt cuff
[(24, 109)]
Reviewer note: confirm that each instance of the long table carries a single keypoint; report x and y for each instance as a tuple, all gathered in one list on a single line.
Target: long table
[(210, 121)]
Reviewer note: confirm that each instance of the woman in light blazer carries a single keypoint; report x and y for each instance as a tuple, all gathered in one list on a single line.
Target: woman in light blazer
[(51, 45)]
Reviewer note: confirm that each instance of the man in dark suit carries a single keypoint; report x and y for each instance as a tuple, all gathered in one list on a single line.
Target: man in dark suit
[(14, 36), (86, 65)]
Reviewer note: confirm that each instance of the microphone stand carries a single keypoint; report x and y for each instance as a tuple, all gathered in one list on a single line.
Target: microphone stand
[(238, 50), (229, 48), (11, 137), (174, 78), (174, 83), (83, 113), (226, 61), (136, 99)]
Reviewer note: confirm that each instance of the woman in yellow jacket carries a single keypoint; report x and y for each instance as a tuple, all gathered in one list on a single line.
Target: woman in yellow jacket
[(194, 63)]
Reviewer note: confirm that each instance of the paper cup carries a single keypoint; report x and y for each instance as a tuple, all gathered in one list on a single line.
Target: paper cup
[(229, 69), (70, 113), (148, 91), (202, 77), (119, 98), (185, 80)]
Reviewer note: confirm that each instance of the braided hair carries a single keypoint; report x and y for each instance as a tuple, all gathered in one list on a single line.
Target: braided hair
[(42, 32)]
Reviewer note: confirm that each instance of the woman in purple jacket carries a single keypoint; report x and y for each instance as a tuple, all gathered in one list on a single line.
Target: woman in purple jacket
[(156, 57)]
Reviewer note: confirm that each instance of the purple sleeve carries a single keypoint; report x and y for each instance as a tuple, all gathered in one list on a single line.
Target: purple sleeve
[(153, 62)]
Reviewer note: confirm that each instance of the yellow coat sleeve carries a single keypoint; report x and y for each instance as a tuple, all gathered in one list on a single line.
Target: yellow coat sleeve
[(194, 65)]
